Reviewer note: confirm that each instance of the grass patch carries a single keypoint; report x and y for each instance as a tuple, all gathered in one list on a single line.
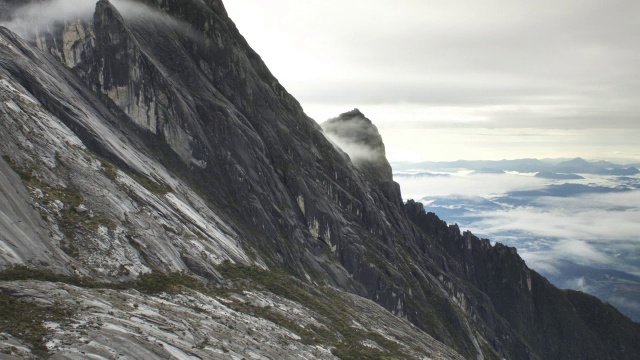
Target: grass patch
[(111, 172), (150, 283), (69, 221), (25, 321), (327, 302), (157, 188), (357, 351), (346, 341), (487, 351), (158, 282)]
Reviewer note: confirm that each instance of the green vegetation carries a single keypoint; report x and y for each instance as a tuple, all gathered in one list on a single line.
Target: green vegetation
[(25, 321), (151, 283), (441, 318), (334, 310), (111, 172), (488, 352), (325, 301), (158, 282), (69, 220), (156, 188)]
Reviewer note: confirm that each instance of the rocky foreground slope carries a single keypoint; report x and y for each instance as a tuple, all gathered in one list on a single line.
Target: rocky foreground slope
[(164, 196)]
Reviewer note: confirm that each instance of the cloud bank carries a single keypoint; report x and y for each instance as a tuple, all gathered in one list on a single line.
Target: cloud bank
[(485, 185), (595, 229), (29, 19)]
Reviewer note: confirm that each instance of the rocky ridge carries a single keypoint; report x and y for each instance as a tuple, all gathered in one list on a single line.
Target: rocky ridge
[(156, 141)]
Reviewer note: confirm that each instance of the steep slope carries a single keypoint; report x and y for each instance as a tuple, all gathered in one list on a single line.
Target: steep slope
[(105, 224), (556, 323), (157, 140)]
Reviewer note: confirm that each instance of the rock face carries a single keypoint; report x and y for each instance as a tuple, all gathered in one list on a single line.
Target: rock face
[(23, 233), (356, 135), (185, 154)]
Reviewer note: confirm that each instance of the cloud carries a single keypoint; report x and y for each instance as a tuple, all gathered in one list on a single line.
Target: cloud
[(624, 303), (540, 261), (588, 229), (576, 283), (599, 225), (581, 250), (357, 152), (29, 19), (460, 184), (565, 64), (356, 136)]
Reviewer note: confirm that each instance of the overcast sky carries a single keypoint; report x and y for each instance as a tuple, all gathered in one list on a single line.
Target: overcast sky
[(478, 79)]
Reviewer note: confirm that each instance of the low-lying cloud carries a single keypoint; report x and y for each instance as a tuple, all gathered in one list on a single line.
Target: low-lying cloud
[(595, 229), (484, 185), (598, 217), (355, 135), (29, 19), (357, 152)]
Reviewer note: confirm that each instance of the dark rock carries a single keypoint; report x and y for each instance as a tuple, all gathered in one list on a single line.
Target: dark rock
[(630, 171), (198, 103)]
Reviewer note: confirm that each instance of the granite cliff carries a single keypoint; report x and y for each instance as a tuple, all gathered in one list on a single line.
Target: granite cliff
[(164, 196)]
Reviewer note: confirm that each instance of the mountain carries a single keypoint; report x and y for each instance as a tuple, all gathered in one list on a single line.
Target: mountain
[(421, 174), (164, 196), (572, 166), (616, 287), (556, 176), (630, 171), (360, 139), (520, 165), (579, 165)]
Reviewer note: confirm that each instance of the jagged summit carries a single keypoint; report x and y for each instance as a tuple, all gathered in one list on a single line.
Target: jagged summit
[(352, 114), (355, 134)]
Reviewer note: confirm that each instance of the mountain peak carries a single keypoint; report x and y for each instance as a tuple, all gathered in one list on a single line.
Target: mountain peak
[(356, 135), (352, 114), (576, 161)]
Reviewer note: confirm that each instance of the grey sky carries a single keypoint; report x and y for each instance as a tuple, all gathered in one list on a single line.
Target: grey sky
[(428, 65)]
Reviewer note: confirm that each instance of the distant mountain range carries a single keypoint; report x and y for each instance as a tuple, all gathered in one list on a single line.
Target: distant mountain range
[(551, 169)]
